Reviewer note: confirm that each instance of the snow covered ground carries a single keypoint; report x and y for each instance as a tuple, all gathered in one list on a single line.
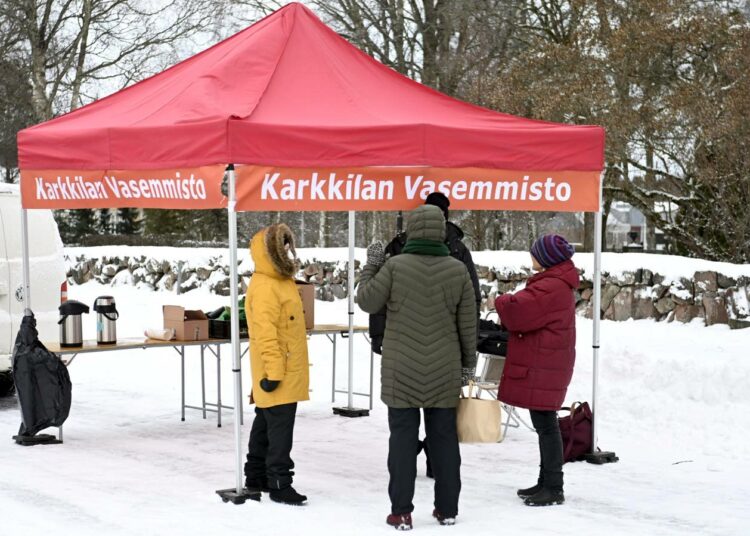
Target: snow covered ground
[(674, 405)]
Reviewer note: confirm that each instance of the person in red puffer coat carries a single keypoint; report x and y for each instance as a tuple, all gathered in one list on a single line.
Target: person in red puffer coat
[(541, 356)]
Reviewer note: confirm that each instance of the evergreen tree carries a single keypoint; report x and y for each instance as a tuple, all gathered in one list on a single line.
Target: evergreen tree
[(128, 221)]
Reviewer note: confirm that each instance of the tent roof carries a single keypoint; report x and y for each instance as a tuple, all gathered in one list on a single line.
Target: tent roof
[(288, 91)]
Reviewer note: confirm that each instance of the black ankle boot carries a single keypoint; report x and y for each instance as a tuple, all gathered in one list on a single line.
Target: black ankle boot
[(528, 492), (287, 495), (545, 497)]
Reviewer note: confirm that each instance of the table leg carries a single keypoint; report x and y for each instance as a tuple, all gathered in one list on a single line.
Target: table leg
[(372, 366), (218, 385), (203, 380), (333, 381), (182, 362)]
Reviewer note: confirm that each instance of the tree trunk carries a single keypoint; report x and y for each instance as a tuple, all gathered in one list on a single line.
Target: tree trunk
[(80, 62)]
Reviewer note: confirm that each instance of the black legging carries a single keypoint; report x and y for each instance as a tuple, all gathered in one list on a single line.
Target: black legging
[(550, 449)]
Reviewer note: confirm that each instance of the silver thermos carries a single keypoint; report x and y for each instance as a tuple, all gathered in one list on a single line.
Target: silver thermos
[(71, 328), (106, 320)]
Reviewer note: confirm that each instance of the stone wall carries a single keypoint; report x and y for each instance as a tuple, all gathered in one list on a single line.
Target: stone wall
[(711, 296)]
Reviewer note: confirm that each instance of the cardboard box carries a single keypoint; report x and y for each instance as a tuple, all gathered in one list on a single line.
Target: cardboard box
[(188, 325), (307, 293)]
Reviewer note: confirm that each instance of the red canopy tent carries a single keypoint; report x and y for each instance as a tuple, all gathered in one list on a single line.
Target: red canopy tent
[(312, 123)]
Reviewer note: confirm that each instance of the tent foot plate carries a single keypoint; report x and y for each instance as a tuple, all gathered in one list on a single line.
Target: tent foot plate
[(231, 495), (601, 457), (39, 439), (351, 412)]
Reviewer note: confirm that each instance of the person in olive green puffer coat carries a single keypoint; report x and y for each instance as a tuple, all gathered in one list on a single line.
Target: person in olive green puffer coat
[(429, 352)]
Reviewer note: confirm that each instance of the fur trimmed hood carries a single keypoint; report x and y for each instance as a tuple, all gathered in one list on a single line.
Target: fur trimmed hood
[(269, 255)]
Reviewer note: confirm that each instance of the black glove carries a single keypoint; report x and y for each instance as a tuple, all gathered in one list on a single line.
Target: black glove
[(269, 385), (467, 375), (375, 254)]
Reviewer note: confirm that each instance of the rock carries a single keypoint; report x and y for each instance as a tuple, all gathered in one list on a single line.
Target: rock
[(685, 313), (625, 278), (204, 272), (706, 281), (338, 291), (680, 294), (167, 282), (135, 262), (585, 309), (96, 269), (153, 266), (485, 289), (724, 281), (218, 283), (739, 323), (715, 308), (491, 276), (657, 279), (103, 279), (643, 304), (660, 291), (647, 277), (110, 270), (123, 279), (664, 305), (192, 282), (143, 285), (139, 274), (310, 270), (608, 294), (152, 279), (324, 293), (587, 294)]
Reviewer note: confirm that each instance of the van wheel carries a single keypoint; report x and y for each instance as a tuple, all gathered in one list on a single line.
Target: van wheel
[(7, 388)]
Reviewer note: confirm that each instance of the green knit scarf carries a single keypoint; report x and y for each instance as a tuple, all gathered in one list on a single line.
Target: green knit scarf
[(422, 246)]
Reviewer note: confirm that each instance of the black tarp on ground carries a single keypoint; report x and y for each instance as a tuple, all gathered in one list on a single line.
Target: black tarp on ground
[(42, 382)]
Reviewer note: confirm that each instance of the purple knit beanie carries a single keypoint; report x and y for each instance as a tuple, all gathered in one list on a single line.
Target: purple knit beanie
[(551, 249)]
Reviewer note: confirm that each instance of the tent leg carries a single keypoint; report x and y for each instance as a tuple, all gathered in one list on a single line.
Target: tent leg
[(596, 456), (238, 494), (25, 270), (350, 410)]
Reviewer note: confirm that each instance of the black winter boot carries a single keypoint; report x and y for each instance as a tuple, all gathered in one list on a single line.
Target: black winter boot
[(528, 492), (545, 497), (287, 495)]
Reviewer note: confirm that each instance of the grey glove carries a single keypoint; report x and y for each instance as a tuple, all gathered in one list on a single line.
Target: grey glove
[(467, 375), (376, 254)]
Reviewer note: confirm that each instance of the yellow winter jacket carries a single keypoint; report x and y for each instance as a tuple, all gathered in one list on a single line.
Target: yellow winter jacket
[(278, 340)]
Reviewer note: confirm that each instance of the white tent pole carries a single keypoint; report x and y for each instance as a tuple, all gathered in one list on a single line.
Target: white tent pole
[(596, 315), (350, 284), (25, 270), (236, 368)]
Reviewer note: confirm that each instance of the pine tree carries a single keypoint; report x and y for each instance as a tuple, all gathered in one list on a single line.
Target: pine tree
[(128, 221)]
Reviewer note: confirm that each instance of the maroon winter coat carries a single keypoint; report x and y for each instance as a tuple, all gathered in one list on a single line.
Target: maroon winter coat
[(541, 348)]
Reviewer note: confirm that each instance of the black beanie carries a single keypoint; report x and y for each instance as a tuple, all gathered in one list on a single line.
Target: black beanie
[(440, 201)]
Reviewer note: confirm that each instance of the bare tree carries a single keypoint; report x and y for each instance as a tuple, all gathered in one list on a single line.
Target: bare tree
[(75, 46)]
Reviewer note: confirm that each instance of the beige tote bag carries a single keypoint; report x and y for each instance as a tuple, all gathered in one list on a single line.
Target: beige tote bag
[(478, 420)]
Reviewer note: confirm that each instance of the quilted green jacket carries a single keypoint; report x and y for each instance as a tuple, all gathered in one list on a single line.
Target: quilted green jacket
[(430, 331)]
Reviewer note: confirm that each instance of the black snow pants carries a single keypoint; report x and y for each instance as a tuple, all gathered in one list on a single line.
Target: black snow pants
[(271, 437), (445, 457), (550, 449)]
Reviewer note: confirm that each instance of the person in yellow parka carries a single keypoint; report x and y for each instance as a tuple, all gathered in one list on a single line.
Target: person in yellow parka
[(278, 361)]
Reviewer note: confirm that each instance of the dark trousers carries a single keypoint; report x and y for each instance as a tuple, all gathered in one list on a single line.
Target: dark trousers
[(270, 445), (550, 449), (445, 457)]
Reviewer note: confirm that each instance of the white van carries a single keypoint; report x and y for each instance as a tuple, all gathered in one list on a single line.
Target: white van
[(47, 272)]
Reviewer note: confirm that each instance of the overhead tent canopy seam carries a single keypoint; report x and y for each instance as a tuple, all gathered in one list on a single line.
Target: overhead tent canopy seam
[(287, 92)]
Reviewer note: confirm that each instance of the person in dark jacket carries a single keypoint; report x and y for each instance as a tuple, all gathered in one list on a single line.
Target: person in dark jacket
[(429, 352), (541, 356), (458, 250), (453, 239)]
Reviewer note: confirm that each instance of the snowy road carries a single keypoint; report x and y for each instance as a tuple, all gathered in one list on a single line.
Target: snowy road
[(675, 406)]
